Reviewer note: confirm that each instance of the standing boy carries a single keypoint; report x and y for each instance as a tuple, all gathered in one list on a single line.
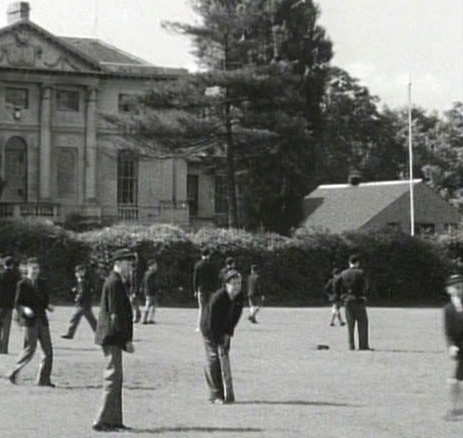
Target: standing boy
[(31, 303), (351, 288), (230, 264), (204, 282), (8, 281), (218, 323), (83, 301), (453, 320), (114, 333), (149, 290), (253, 293)]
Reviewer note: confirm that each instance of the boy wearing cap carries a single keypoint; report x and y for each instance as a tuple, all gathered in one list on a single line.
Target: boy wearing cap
[(218, 323), (204, 282), (148, 287), (453, 323), (8, 281), (83, 300), (230, 264), (114, 333), (32, 302)]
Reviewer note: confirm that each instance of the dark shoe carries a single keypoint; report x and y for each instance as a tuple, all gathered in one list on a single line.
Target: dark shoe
[(121, 427), (145, 322), (151, 322), (48, 384), (332, 324), (66, 337), (12, 378), (366, 349), (343, 324), (103, 427)]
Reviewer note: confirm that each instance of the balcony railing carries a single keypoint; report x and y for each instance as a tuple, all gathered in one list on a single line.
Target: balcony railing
[(47, 210)]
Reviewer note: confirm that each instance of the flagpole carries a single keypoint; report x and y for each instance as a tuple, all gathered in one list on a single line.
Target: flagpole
[(410, 154)]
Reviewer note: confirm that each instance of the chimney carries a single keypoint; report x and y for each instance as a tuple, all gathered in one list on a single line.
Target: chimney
[(355, 177), (17, 11)]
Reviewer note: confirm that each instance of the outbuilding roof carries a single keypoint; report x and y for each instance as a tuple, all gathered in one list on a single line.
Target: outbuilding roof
[(344, 207)]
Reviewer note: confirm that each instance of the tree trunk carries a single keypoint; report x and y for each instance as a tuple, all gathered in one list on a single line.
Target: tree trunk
[(230, 152)]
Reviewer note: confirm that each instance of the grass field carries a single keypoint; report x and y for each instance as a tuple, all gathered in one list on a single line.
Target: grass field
[(284, 386)]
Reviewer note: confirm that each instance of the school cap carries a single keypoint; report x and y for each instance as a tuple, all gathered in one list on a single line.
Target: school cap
[(32, 261), (123, 254), (8, 262), (229, 260), (80, 268), (232, 273), (454, 279)]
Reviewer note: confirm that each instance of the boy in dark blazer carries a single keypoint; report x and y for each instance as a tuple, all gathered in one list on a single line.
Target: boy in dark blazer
[(9, 279), (351, 289), (204, 282), (32, 302), (453, 323), (220, 317), (83, 299), (114, 333)]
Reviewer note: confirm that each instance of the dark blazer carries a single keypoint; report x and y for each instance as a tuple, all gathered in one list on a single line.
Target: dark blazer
[(114, 325), (148, 284), (253, 285), (8, 282), (453, 324), (351, 283), (83, 294), (204, 276), (34, 297), (221, 316)]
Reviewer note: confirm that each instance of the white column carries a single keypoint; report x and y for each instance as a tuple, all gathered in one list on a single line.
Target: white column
[(90, 146), (45, 143)]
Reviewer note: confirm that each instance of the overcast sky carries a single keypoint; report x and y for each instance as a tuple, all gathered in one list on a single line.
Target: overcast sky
[(381, 42)]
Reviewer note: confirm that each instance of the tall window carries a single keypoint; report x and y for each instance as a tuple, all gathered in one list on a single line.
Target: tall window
[(67, 100), (66, 163), (192, 184), (221, 205), (127, 179), (17, 97), (128, 103)]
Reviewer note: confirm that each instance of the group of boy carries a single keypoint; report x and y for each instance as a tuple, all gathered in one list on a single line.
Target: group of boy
[(220, 312)]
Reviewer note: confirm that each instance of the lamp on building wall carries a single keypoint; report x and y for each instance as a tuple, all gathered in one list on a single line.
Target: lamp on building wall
[(17, 113)]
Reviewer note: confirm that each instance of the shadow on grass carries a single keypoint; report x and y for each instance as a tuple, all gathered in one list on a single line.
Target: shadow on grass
[(129, 387), (75, 349), (393, 350), (186, 429), (296, 403)]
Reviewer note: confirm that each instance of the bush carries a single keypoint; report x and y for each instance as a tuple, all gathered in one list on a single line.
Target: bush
[(401, 269)]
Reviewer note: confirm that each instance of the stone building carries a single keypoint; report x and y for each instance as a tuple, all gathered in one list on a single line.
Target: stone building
[(58, 155)]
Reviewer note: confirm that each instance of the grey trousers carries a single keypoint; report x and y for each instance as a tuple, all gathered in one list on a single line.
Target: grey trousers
[(356, 312), (5, 326), (110, 412), (218, 372), (38, 332), (87, 313)]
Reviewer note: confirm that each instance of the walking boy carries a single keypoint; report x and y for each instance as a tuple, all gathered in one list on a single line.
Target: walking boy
[(8, 281), (83, 300), (453, 321), (114, 333), (32, 301), (351, 288), (219, 320), (253, 293), (149, 290), (332, 297)]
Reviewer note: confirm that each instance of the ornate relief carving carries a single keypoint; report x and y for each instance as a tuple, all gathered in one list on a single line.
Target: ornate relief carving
[(21, 53)]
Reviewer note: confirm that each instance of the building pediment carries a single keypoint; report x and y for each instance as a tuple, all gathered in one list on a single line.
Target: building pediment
[(25, 45)]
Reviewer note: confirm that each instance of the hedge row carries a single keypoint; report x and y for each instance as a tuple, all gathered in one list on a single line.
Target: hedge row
[(402, 270)]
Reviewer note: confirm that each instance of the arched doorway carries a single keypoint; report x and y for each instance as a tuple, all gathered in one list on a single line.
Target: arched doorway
[(15, 170)]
